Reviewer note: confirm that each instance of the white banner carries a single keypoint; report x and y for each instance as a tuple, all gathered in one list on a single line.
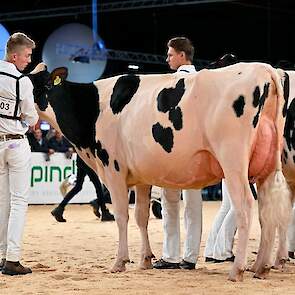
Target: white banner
[(47, 176)]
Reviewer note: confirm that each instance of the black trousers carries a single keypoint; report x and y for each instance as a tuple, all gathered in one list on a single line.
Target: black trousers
[(82, 171)]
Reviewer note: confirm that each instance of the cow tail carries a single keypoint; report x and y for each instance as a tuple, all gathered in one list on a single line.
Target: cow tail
[(277, 76), (274, 196)]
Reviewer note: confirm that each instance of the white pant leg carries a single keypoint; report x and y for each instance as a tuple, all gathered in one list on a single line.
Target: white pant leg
[(171, 224), (223, 211), (291, 232), (4, 200), (192, 223), (225, 238), (18, 158)]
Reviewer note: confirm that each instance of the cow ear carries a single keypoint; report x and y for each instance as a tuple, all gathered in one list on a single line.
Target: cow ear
[(58, 75)]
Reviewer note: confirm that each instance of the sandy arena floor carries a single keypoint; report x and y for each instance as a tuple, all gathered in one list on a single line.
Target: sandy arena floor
[(74, 258)]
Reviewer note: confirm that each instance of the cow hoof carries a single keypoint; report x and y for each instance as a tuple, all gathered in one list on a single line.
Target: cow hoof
[(280, 264), (260, 276), (146, 262), (262, 273), (116, 268), (146, 265), (251, 269), (119, 266), (236, 275)]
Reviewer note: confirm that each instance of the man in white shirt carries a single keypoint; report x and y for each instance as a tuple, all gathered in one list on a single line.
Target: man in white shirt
[(17, 113), (179, 57)]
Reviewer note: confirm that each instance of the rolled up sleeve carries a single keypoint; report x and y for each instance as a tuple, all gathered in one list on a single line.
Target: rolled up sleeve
[(27, 107)]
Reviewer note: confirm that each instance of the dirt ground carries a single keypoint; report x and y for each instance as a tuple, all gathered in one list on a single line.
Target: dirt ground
[(74, 258)]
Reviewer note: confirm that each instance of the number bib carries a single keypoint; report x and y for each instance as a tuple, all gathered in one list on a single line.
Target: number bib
[(7, 106)]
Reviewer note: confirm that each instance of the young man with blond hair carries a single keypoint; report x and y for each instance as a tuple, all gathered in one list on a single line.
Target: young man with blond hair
[(17, 113)]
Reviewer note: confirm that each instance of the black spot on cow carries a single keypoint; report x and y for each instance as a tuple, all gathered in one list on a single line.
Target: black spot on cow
[(286, 93), (76, 107), (164, 136), (88, 156), (256, 97), (261, 103), (289, 130), (293, 159), (239, 73), (175, 116), (264, 94), (102, 154), (116, 165), (284, 156), (284, 160), (238, 106), (124, 89), (169, 98), (285, 153), (255, 120)]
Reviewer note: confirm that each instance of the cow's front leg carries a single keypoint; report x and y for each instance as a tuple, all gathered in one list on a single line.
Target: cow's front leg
[(142, 213), (119, 196)]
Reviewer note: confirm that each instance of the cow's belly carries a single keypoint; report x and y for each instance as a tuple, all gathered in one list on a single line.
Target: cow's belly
[(196, 171)]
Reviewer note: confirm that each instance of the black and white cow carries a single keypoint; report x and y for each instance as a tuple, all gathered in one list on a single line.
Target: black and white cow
[(179, 131)]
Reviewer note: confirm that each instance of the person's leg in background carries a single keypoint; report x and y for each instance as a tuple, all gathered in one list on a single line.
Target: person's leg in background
[(291, 235), (217, 224), (223, 248), (105, 213), (171, 230), (59, 210), (193, 227)]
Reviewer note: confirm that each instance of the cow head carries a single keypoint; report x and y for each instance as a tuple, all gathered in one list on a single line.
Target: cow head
[(226, 60), (43, 81)]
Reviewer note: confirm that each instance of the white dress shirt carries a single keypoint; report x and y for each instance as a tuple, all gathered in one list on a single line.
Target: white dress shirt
[(187, 69), (26, 104)]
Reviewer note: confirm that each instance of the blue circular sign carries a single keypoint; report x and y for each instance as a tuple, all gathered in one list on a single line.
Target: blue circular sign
[(4, 35), (73, 46)]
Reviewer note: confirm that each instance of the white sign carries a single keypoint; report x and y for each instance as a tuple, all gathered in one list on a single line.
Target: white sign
[(47, 176)]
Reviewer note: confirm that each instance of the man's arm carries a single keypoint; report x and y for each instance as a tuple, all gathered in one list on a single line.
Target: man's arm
[(27, 107)]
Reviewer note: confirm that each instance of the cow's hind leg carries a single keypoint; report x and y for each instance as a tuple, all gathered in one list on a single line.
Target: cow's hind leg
[(142, 213), (243, 201), (274, 200), (119, 195)]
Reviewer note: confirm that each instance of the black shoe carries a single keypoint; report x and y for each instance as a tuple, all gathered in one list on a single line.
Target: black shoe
[(57, 213), (231, 259), (106, 215), (291, 254), (162, 264), (209, 259), (187, 265), (2, 263), (95, 207), (15, 268)]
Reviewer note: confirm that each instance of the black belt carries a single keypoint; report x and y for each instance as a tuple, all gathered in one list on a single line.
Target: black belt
[(6, 137)]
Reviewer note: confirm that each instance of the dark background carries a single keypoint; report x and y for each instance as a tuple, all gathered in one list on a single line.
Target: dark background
[(253, 30)]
